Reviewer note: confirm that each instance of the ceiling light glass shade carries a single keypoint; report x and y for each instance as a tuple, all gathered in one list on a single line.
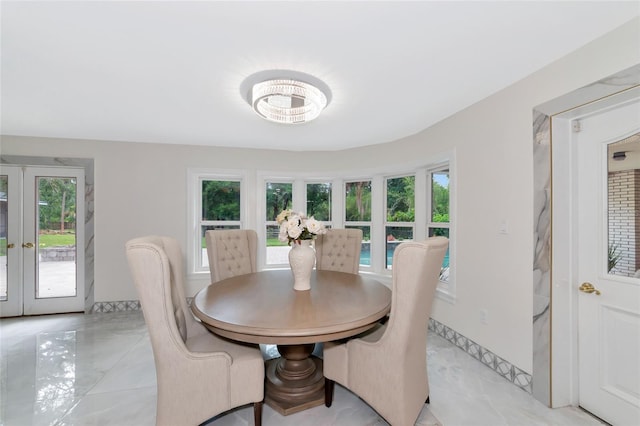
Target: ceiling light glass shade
[(287, 101)]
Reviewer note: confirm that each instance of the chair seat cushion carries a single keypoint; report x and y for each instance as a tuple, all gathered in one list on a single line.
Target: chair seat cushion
[(209, 342), (247, 368)]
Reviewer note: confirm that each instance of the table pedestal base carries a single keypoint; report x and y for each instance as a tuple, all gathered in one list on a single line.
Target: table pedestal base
[(294, 381)]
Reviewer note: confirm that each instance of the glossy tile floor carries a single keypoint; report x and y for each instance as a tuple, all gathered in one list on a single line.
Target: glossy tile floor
[(98, 370)]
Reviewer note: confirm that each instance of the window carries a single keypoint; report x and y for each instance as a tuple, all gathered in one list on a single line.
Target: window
[(400, 213), (389, 209), (279, 196), (217, 203), (438, 223), (220, 209), (357, 211)]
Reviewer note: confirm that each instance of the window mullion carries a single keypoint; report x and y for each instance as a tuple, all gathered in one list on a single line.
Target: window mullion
[(337, 203), (421, 192), (299, 196), (378, 219)]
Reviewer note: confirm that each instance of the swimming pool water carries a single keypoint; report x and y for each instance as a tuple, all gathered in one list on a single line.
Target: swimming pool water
[(365, 255)]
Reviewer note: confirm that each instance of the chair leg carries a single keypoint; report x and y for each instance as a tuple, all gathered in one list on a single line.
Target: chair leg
[(328, 391), (257, 413), (427, 401)]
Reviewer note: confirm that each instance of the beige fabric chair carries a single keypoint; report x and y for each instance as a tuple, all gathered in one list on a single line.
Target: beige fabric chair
[(387, 368), (339, 250), (199, 375), (231, 252)]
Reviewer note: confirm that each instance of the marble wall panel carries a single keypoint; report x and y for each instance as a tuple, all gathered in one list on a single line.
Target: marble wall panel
[(542, 257)]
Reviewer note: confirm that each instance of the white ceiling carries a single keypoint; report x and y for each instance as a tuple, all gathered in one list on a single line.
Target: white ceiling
[(172, 71)]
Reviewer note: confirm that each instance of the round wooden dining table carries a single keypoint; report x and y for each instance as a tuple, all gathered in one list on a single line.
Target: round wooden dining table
[(263, 307)]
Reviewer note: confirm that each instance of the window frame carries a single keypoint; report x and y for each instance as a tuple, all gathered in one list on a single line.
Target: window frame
[(403, 224), (359, 223), (262, 214), (332, 196), (446, 290), (195, 177)]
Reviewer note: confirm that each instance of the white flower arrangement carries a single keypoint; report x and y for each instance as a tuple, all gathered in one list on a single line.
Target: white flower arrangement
[(295, 227)]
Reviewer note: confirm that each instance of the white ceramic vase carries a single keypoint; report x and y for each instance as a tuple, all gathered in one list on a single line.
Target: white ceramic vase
[(302, 257)]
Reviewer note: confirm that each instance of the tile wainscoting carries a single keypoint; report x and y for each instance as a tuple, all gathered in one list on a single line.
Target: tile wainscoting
[(504, 368), (118, 306)]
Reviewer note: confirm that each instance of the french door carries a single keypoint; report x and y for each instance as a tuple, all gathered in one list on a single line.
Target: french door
[(41, 240)]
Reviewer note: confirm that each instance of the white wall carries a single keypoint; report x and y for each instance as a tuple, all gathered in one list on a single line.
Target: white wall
[(493, 144)]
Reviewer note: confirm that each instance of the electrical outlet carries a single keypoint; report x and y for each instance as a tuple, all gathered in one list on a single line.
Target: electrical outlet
[(484, 316)]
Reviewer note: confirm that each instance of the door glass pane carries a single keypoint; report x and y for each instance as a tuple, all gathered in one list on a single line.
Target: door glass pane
[(623, 206), (56, 237), (4, 222)]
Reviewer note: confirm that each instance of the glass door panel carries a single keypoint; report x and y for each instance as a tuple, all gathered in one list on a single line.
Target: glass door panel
[(4, 223), (53, 240), (56, 237)]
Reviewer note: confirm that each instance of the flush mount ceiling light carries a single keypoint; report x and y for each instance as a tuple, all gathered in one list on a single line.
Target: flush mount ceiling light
[(287, 101), (619, 156)]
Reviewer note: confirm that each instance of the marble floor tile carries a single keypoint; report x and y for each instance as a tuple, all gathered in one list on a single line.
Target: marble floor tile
[(98, 369), (131, 407)]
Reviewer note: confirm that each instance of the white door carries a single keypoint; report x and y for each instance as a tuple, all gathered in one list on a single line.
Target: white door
[(10, 241), (43, 268), (609, 297)]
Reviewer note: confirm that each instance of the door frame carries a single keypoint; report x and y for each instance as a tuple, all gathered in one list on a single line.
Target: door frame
[(547, 357), (564, 375), (89, 201)]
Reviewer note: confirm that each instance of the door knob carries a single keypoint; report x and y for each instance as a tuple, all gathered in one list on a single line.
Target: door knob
[(589, 288), (11, 245), (27, 245)]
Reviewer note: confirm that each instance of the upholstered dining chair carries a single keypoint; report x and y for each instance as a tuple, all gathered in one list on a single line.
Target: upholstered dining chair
[(231, 252), (339, 250), (199, 375), (387, 368)]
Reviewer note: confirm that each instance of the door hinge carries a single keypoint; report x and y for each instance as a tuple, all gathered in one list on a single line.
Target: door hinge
[(576, 125)]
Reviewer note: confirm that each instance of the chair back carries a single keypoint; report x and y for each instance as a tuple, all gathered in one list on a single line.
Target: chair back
[(387, 366), (156, 266), (198, 374), (416, 273), (339, 250), (231, 252)]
